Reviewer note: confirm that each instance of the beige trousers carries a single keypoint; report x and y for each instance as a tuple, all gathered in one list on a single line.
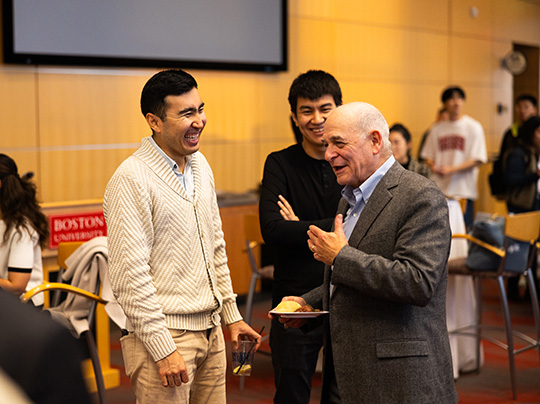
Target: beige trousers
[(205, 359)]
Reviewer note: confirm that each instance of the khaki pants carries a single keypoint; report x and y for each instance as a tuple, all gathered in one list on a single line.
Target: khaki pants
[(205, 359)]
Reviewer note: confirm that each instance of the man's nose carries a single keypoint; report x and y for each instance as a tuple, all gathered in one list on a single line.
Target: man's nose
[(318, 117), (329, 154), (198, 120)]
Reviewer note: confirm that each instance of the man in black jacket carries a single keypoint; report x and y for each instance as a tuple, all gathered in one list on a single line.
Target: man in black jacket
[(299, 189)]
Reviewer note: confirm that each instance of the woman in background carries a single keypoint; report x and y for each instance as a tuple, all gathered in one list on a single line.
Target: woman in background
[(23, 229), (400, 138)]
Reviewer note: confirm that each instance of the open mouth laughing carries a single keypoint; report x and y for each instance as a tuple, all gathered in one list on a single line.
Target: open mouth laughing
[(192, 138)]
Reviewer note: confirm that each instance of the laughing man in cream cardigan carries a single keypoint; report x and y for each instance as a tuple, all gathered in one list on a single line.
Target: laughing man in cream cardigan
[(167, 257)]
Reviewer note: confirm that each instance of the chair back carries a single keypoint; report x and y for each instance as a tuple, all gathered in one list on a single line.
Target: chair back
[(523, 226), (520, 229), (78, 312), (65, 249)]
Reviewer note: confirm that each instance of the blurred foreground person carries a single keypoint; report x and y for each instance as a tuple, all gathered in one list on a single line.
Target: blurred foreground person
[(39, 355)]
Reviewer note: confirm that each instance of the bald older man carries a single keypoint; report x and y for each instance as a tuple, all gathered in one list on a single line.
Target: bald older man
[(386, 271)]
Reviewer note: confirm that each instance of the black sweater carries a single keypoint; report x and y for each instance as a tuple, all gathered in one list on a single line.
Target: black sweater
[(310, 187)]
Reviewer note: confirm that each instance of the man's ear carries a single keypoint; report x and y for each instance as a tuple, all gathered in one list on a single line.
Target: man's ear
[(376, 140), (154, 122)]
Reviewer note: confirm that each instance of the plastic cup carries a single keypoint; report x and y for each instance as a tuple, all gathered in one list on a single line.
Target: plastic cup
[(242, 358)]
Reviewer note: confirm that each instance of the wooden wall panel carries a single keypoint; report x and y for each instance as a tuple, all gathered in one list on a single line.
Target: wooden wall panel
[(518, 20), (81, 109), (19, 109), (311, 46), (390, 54), (472, 17), (78, 174), (418, 14), (472, 61), (233, 165), (273, 105)]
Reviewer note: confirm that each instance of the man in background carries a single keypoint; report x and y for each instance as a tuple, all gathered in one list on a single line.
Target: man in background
[(299, 188), (454, 150), (525, 108)]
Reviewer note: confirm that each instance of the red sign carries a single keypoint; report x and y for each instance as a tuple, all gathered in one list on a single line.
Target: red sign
[(76, 227)]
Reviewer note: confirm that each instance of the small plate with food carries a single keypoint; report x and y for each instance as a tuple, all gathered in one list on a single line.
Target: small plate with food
[(292, 309)]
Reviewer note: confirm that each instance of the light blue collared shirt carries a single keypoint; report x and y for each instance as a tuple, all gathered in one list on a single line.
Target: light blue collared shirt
[(359, 197), (186, 178)]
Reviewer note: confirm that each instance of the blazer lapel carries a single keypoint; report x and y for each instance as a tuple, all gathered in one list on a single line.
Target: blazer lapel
[(379, 199)]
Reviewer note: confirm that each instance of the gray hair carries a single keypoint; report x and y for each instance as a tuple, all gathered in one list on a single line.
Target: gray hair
[(370, 119)]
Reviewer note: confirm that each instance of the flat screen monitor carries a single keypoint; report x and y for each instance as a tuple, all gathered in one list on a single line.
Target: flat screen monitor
[(199, 34)]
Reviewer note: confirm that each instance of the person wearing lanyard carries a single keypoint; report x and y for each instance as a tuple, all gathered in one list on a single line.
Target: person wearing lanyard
[(386, 272)]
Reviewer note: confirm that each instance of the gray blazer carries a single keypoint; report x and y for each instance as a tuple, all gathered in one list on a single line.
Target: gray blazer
[(387, 321)]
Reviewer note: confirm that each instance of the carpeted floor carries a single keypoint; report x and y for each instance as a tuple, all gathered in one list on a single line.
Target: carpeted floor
[(490, 385)]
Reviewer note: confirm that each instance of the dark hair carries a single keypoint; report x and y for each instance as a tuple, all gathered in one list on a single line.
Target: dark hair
[(451, 91), (18, 202), (312, 85), (397, 127), (526, 131), (162, 84), (527, 97)]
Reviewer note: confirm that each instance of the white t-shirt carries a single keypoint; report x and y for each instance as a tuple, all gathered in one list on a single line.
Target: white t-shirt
[(22, 250), (451, 143)]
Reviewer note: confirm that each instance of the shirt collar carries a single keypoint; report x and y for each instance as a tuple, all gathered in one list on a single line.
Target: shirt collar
[(364, 191), (169, 160)]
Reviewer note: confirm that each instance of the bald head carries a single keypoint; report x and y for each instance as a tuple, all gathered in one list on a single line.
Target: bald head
[(360, 117), (356, 136)]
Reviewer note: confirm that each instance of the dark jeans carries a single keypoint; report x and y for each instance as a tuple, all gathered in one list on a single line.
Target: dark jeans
[(294, 357), (468, 215)]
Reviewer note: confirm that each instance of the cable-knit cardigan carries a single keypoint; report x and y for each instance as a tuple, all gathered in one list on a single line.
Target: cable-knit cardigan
[(167, 259)]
